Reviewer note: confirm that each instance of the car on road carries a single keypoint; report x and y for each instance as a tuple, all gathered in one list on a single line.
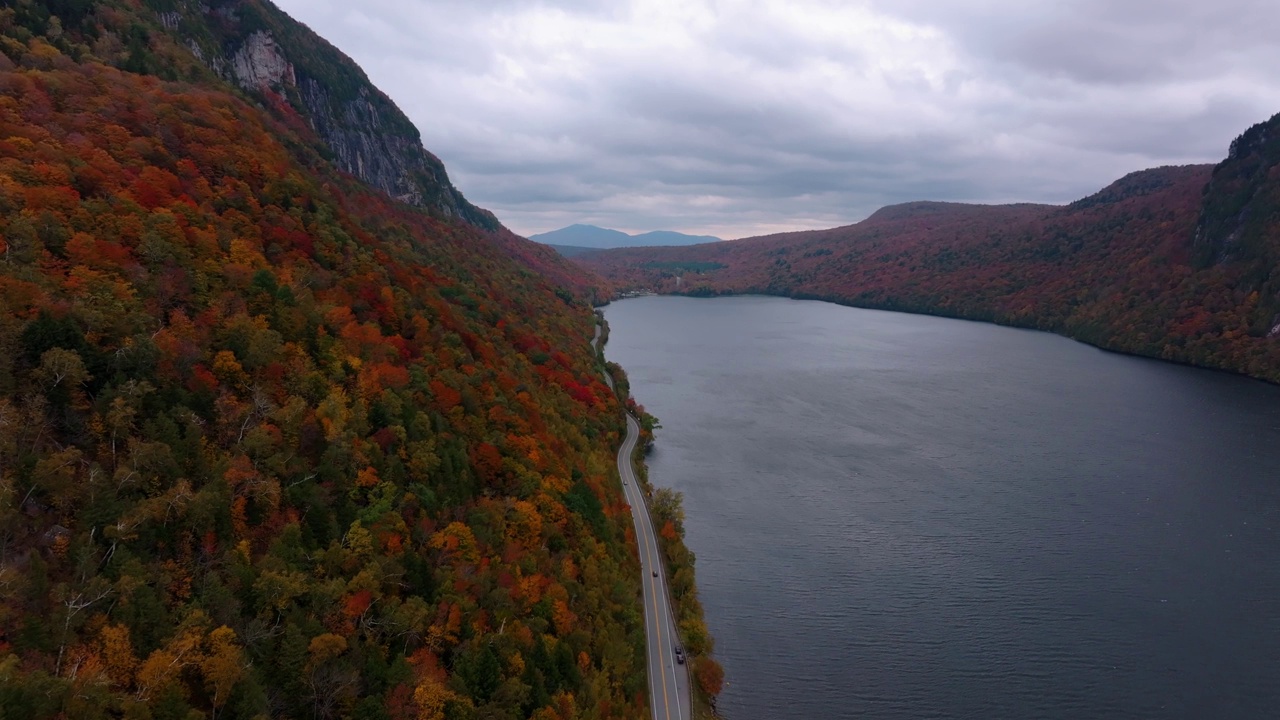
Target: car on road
[(655, 573), (679, 654)]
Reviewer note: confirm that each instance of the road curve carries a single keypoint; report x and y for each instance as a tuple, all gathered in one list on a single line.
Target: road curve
[(668, 680)]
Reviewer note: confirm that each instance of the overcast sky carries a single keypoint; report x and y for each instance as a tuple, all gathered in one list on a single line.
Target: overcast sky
[(742, 117)]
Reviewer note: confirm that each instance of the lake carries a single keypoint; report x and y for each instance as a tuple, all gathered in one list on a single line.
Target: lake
[(901, 516)]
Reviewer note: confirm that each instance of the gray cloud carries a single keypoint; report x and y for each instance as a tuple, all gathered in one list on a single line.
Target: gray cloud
[(742, 117)]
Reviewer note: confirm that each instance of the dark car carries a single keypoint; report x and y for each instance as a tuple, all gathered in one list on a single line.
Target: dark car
[(655, 573), (679, 654)]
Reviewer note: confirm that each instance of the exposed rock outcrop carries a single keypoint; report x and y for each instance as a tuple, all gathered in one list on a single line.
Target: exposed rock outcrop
[(1242, 198), (1239, 217), (357, 134), (253, 44), (259, 64)]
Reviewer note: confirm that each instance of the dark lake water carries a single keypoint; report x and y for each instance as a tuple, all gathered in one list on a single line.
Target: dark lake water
[(899, 516)]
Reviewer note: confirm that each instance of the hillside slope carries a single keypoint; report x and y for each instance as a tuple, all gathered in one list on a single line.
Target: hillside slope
[(1239, 224), (251, 48), (272, 443), (1121, 269), (254, 45)]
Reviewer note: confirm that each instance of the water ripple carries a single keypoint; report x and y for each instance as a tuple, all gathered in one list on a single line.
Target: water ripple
[(908, 517)]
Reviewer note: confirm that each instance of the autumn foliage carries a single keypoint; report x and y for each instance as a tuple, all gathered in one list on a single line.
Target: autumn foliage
[(1122, 269), (273, 444)]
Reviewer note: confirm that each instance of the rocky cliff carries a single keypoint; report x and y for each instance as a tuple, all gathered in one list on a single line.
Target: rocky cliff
[(1239, 217), (1241, 196), (254, 45)]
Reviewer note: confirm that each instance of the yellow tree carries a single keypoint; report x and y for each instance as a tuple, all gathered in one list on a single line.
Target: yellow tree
[(222, 667), (164, 665), (117, 654), (431, 696)]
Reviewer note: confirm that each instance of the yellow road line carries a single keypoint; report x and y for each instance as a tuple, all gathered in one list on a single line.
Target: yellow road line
[(657, 618), (648, 542)]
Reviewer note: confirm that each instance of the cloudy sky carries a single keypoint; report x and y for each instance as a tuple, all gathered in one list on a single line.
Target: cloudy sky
[(742, 117)]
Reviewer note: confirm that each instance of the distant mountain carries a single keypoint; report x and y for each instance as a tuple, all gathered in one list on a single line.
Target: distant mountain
[(590, 236)]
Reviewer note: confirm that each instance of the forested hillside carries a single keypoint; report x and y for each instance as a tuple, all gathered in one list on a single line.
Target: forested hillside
[(1176, 263), (273, 443)]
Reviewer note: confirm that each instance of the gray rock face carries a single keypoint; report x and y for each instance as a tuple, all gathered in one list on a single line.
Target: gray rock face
[(365, 145), (265, 52), (1240, 198), (260, 64), (362, 146)]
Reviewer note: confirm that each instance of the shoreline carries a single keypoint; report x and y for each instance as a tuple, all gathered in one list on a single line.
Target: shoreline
[(953, 316), (673, 551)]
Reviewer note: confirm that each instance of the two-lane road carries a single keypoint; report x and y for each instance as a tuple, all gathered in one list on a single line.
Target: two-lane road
[(668, 679)]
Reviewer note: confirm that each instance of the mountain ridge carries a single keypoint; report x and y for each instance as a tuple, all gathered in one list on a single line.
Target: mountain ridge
[(261, 49), (1177, 263), (280, 64)]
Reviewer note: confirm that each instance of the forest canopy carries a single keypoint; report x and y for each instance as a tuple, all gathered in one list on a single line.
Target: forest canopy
[(273, 444)]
